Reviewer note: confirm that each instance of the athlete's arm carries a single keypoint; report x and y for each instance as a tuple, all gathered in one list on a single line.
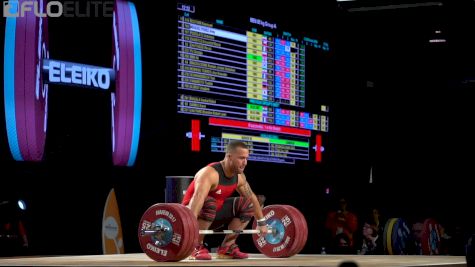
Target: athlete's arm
[(205, 180), (244, 189)]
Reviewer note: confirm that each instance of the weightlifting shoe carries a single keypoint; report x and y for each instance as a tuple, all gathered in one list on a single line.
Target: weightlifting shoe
[(200, 253), (231, 252)]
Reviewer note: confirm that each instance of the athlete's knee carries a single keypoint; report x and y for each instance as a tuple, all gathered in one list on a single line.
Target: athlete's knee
[(261, 199), (208, 212), (244, 209)]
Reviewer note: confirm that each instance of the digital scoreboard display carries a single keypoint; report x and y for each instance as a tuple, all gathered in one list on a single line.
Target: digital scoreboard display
[(250, 84)]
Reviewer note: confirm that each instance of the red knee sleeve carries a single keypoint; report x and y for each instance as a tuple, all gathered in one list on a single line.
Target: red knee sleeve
[(243, 208), (208, 212)]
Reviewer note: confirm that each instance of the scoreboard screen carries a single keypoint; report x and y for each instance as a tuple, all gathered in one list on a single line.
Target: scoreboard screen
[(247, 78)]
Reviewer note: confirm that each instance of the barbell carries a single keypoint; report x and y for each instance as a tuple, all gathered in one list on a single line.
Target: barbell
[(208, 232), (169, 232), (28, 70)]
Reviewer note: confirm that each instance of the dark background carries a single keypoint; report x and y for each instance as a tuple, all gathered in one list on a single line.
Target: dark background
[(398, 104)]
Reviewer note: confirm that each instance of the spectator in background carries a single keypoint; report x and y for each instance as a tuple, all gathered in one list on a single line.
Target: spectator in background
[(342, 224), (372, 243), (341, 244), (376, 218)]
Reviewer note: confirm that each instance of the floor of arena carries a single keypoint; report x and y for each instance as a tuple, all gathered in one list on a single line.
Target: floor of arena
[(140, 259)]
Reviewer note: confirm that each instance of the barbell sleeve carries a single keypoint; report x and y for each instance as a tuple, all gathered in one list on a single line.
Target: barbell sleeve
[(152, 232)]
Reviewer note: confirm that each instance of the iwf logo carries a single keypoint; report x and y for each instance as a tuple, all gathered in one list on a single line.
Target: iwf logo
[(12, 8), (15, 8)]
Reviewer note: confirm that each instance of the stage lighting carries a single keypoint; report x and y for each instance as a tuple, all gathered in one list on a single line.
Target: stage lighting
[(21, 204), (13, 235), (9, 208)]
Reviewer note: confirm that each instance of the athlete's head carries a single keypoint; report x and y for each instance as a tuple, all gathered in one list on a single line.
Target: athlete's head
[(237, 153)]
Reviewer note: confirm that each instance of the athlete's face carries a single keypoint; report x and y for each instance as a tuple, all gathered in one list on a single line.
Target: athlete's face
[(238, 159)]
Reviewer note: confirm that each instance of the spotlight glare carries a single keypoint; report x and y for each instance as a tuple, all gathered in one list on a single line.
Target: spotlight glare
[(21, 204)]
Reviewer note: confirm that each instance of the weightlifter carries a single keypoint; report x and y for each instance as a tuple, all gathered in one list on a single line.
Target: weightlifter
[(209, 198)]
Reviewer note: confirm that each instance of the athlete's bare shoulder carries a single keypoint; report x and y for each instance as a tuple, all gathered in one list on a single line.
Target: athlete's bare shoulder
[(207, 175)]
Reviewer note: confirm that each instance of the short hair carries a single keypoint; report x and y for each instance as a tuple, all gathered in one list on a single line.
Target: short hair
[(233, 144)]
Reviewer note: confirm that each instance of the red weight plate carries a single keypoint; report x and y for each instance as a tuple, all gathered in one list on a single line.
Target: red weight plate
[(193, 228), (186, 240), (302, 230), (281, 243), (167, 245)]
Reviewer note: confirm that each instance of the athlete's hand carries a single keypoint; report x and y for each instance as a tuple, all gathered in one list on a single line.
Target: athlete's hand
[(263, 229)]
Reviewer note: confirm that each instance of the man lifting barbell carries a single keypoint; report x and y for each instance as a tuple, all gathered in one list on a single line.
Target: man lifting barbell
[(208, 197), (175, 231)]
